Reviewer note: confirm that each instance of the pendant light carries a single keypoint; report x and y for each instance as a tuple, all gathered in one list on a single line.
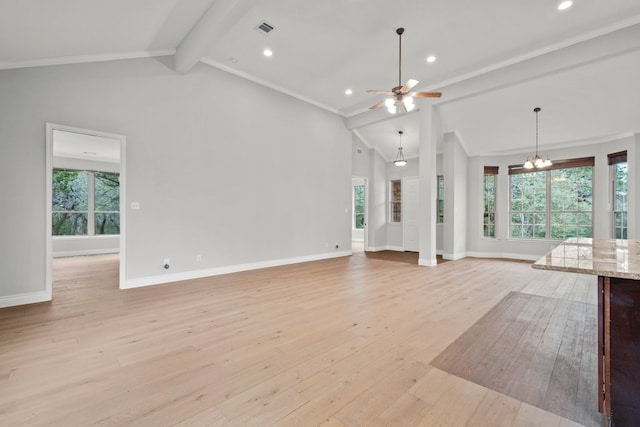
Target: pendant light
[(400, 161), (537, 161)]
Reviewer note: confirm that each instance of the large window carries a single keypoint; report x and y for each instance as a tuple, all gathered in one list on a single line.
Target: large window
[(440, 201), (358, 206), (85, 203), (396, 201), (552, 204), (620, 189), (490, 175)]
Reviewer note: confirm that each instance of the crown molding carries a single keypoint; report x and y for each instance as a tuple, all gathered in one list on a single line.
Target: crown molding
[(65, 60)]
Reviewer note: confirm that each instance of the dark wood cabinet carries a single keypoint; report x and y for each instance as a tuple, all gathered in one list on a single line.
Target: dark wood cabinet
[(619, 342)]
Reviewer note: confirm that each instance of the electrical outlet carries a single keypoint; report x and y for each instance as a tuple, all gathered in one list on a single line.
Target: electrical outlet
[(166, 263), (198, 258)]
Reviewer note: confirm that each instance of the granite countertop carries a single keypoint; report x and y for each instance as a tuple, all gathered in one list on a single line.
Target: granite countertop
[(603, 257)]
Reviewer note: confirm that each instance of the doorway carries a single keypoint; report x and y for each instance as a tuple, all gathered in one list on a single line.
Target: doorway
[(359, 197), (85, 195)]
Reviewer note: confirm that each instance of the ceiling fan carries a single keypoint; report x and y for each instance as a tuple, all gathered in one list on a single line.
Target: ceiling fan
[(399, 95)]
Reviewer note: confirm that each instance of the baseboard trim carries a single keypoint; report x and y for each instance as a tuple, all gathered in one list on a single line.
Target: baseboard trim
[(426, 262), (64, 254), (520, 257), (198, 274), (22, 299), (384, 248), (453, 257)]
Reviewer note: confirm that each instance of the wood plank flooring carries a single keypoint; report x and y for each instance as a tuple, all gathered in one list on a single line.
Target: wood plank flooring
[(339, 342), (535, 349)]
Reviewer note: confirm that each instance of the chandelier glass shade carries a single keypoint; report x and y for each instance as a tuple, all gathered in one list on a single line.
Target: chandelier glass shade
[(400, 161)]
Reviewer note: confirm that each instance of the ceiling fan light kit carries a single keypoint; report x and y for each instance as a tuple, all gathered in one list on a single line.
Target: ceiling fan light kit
[(399, 96)]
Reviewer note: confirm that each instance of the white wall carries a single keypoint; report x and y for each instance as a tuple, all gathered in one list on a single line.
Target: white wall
[(221, 167)]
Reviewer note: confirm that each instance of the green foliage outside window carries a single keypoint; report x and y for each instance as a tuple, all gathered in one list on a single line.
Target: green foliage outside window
[(70, 202), (620, 202), (489, 205), (528, 205), (358, 206), (571, 202), (107, 203), (554, 204), (72, 208)]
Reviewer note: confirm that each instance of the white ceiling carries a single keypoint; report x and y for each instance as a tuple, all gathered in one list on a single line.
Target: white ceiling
[(497, 59)]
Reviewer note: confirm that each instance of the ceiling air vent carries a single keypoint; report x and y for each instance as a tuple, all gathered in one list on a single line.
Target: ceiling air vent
[(265, 28)]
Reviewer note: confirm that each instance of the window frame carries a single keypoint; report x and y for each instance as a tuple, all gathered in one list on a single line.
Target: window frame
[(491, 171), (91, 205), (440, 199), (355, 213), (395, 216), (548, 211), (615, 159)]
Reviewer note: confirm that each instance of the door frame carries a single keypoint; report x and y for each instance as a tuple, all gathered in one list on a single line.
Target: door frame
[(50, 127)]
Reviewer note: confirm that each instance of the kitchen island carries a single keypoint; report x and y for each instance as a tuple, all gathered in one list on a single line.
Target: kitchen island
[(617, 265)]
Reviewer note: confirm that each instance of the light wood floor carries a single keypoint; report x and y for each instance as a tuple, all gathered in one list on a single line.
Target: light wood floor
[(340, 342)]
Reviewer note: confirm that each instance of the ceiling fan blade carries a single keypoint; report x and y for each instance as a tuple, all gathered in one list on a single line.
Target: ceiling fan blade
[(378, 105), (410, 84), (381, 92), (426, 95)]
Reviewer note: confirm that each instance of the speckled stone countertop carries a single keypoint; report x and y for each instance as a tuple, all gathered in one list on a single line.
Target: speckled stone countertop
[(603, 257)]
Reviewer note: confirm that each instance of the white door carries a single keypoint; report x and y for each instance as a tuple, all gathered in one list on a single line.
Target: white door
[(410, 214)]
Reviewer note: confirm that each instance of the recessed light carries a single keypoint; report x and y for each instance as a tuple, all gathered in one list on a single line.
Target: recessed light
[(565, 5), (267, 52), (348, 92), (431, 59)]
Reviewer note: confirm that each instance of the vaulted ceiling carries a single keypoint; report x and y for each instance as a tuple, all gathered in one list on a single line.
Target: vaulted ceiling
[(496, 59)]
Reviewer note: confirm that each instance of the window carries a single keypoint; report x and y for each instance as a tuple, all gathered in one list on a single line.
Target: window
[(396, 201), (107, 203), (358, 206), (620, 189), (85, 203), (440, 203), (490, 175), (555, 203)]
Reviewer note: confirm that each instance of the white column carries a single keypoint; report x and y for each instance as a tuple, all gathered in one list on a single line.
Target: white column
[(455, 197), (429, 131)]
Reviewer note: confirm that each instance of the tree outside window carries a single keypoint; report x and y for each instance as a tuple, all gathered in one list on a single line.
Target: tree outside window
[(358, 206), (555, 203), (85, 203), (107, 203), (489, 218), (620, 191)]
